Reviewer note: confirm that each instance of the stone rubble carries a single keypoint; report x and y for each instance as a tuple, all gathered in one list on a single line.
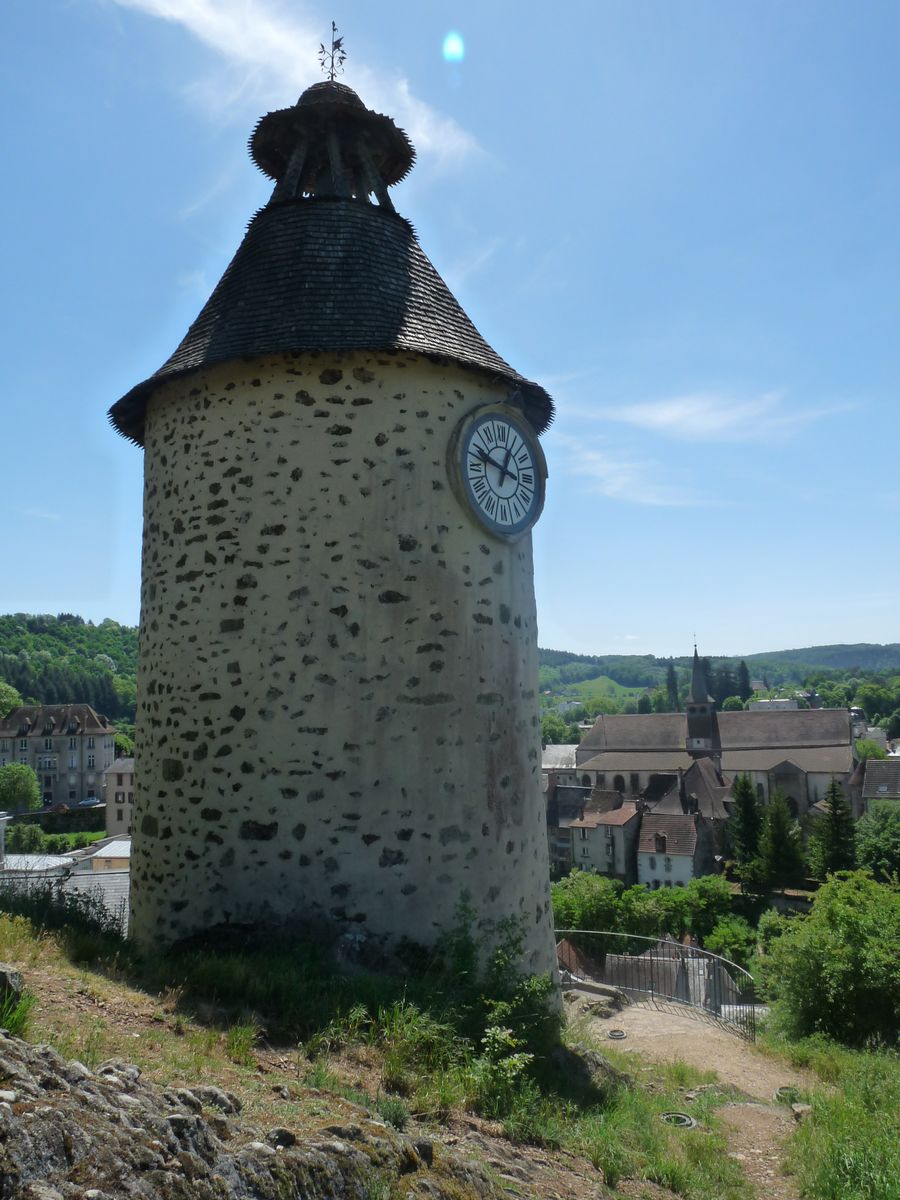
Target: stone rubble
[(70, 1133)]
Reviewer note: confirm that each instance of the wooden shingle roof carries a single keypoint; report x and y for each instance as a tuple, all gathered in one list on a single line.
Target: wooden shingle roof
[(323, 269)]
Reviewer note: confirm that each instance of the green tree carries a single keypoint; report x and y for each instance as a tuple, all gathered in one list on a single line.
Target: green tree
[(780, 845), (24, 838), (745, 821), (833, 843), (18, 788), (586, 901), (554, 730), (733, 938), (745, 691), (732, 704), (672, 689), (867, 748), (837, 970), (9, 698), (124, 746), (709, 897), (644, 704), (878, 841)]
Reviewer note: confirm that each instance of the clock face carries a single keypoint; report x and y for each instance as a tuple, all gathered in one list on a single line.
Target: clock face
[(503, 471)]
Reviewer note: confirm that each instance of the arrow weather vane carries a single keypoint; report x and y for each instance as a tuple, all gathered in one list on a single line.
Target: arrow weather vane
[(332, 61)]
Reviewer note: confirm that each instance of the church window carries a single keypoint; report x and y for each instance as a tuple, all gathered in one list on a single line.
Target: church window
[(619, 783), (635, 781), (585, 781)]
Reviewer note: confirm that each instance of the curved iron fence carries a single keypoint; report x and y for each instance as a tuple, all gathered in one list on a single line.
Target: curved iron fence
[(662, 971)]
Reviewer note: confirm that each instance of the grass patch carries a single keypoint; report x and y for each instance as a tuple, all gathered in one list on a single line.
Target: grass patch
[(445, 1038), (848, 1147), (15, 1014)]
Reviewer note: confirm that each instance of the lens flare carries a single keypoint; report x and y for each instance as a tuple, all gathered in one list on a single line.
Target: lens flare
[(454, 47)]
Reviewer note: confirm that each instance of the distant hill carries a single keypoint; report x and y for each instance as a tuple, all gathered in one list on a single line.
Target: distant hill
[(55, 660), (559, 669)]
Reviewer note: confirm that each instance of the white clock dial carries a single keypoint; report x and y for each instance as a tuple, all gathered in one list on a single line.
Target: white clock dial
[(502, 471)]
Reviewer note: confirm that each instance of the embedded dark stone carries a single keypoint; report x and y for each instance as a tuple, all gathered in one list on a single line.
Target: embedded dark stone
[(256, 831), (406, 542), (369, 838), (200, 752), (391, 597), (289, 793), (403, 835), (272, 530), (211, 814), (231, 625), (505, 614), (481, 619), (237, 713), (331, 375), (172, 769), (391, 858), (149, 826), (299, 831)]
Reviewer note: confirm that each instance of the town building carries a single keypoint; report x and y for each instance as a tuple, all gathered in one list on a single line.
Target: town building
[(605, 842), (68, 746), (672, 850), (337, 719), (118, 792), (881, 780), (795, 752)]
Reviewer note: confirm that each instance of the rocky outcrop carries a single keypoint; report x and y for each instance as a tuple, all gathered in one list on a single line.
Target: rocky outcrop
[(70, 1133)]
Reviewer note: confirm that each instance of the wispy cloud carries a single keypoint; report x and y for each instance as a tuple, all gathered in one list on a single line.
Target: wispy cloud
[(270, 50), (618, 475), (470, 264), (40, 514), (718, 417)]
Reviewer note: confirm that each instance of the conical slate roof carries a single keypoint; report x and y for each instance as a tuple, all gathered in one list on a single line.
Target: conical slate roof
[(323, 269)]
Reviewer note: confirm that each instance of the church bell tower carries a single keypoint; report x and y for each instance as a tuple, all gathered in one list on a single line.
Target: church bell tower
[(337, 711)]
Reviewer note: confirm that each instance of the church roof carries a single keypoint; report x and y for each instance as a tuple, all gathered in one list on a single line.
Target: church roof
[(321, 268)]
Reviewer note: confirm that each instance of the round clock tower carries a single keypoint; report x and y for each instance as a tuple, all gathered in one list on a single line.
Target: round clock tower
[(337, 715)]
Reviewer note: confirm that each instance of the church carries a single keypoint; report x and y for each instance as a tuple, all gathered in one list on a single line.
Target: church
[(796, 752)]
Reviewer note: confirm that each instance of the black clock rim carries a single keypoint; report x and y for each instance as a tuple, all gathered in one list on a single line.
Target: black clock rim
[(459, 475)]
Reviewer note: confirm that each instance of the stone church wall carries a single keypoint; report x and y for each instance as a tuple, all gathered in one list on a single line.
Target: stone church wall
[(337, 711)]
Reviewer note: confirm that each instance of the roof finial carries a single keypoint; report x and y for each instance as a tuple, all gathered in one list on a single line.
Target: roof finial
[(332, 61)]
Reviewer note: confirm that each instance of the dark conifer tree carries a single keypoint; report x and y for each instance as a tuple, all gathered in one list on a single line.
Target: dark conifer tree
[(745, 691), (780, 844), (745, 821), (834, 842), (672, 689)]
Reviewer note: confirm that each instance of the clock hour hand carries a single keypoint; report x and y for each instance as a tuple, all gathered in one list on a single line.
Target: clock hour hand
[(501, 467)]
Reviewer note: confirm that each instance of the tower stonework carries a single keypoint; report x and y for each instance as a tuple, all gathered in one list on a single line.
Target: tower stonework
[(337, 716)]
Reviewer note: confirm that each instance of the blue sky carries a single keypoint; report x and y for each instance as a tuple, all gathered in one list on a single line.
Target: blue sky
[(680, 217)]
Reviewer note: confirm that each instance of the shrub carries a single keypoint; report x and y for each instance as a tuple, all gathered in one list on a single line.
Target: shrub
[(837, 970), (733, 938)]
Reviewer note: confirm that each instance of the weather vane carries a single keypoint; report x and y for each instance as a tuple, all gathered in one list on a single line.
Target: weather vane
[(332, 61)]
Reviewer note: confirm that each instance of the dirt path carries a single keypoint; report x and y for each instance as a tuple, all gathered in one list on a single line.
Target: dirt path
[(758, 1127)]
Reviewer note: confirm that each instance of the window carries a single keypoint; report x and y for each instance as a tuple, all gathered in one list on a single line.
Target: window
[(72, 795), (90, 760), (73, 743), (610, 850), (119, 814), (601, 780), (90, 743), (119, 781), (678, 883), (635, 781), (760, 792), (585, 851), (23, 759), (23, 743), (668, 864), (3, 745), (48, 743), (652, 862), (668, 883), (583, 833), (73, 761), (120, 797), (585, 780), (619, 783), (131, 797), (92, 794)]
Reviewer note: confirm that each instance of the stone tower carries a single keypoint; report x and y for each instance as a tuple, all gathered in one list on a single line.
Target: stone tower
[(702, 726), (337, 713)]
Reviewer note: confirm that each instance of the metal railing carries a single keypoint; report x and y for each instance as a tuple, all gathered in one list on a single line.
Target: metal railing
[(662, 972)]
